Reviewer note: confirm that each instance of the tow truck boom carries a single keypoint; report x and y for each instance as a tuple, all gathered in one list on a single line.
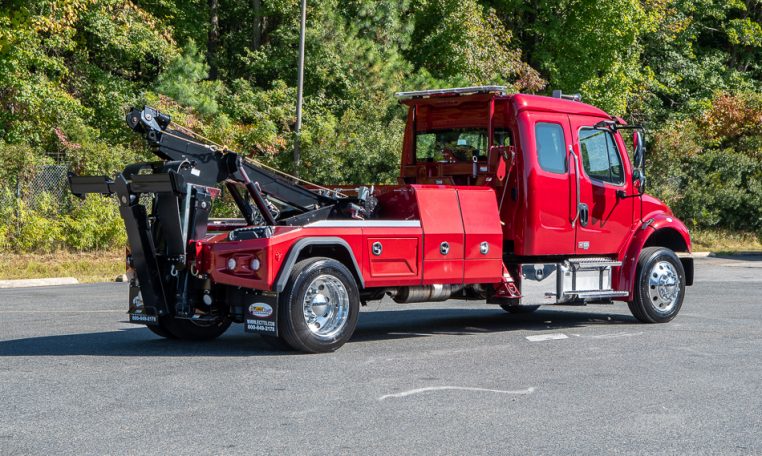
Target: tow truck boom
[(181, 188)]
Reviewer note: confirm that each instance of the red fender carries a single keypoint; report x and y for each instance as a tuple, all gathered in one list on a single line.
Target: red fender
[(653, 223)]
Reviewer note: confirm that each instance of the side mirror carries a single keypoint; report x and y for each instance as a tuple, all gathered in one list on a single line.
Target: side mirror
[(639, 181), (639, 157), (639, 146)]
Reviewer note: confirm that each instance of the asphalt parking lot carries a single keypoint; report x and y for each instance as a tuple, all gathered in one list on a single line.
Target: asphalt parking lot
[(75, 378)]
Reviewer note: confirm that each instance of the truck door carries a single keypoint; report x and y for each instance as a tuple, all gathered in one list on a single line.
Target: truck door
[(605, 219), (548, 229)]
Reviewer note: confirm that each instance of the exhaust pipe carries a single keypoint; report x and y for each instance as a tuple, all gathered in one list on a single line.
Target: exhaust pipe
[(425, 293)]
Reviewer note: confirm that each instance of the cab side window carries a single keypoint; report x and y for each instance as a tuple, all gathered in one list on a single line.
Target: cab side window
[(600, 157), (551, 147)]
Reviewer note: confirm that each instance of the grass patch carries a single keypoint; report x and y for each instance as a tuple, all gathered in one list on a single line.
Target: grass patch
[(85, 267), (723, 241)]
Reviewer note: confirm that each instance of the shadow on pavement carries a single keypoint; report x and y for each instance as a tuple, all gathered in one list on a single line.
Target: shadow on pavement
[(372, 326), (395, 324), (747, 256)]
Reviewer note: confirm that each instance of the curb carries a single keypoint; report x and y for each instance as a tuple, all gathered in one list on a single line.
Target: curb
[(735, 255), (25, 283)]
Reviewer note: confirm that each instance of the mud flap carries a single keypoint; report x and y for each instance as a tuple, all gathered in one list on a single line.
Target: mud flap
[(260, 311), (138, 313)]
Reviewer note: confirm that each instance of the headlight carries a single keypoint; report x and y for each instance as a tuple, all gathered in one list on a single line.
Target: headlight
[(255, 264), (231, 264)]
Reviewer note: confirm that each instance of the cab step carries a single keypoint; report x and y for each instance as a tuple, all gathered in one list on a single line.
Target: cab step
[(591, 294), (593, 263), (596, 294)]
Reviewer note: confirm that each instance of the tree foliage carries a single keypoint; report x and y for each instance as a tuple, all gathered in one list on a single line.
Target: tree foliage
[(689, 69)]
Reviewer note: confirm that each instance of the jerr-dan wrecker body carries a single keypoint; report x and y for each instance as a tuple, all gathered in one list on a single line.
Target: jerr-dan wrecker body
[(516, 200)]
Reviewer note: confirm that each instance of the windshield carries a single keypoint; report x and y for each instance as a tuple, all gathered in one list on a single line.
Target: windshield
[(457, 144)]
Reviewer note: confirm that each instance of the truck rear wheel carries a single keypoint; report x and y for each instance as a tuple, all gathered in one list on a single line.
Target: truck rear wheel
[(659, 286), (319, 308), (161, 329)]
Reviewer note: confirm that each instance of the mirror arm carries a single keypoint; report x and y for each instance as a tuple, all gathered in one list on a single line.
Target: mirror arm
[(621, 194)]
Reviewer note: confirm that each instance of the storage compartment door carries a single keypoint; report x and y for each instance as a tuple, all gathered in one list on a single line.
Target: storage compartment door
[(442, 234), (483, 235), (392, 259)]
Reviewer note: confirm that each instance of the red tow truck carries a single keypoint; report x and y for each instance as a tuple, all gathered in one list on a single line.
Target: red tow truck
[(516, 200)]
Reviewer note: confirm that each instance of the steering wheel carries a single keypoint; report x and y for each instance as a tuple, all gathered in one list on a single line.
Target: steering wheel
[(449, 156)]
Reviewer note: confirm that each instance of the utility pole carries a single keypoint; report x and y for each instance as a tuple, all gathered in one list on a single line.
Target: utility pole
[(213, 40), (299, 91)]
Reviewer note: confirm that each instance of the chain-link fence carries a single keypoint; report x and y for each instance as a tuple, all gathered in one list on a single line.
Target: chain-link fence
[(46, 183), (39, 214), (39, 187)]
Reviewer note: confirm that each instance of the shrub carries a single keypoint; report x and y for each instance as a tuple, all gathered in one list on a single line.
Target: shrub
[(94, 224), (708, 167)]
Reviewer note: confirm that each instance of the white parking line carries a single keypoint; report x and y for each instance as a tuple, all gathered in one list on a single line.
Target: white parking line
[(615, 335), (529, 390), (544, 337)]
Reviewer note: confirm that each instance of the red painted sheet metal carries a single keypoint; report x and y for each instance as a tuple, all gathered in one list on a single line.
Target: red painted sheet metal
[(353, 236), (399, 261), (547, 212), (439, 210), (658, 220), (398, 204), (420, 219), (482, 270), (481, 223), (538, 103)]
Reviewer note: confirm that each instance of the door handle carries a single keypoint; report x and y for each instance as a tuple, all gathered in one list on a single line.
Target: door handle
[(577, 209), (584, 214)]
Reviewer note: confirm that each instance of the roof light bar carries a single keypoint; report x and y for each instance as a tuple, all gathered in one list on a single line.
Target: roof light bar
[(565, 96), (500, 90)]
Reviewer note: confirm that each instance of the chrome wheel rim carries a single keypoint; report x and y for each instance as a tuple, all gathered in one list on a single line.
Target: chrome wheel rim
[(326, 306), (663, 286)]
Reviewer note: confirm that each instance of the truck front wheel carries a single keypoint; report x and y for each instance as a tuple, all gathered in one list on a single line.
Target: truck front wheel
[(660, 286), (518, 310), (319, 308)]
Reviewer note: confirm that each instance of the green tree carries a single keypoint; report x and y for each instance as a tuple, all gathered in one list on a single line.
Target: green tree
[(463, 40)]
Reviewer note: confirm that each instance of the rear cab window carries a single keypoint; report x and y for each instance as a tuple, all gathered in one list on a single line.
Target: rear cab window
[(457, 144), (551, 147)]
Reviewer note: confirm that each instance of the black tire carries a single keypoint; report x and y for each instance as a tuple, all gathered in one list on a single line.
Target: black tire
[(658, 265), (332, 279), (517, 310), (161, 329), (190, 330), (276, 343)]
